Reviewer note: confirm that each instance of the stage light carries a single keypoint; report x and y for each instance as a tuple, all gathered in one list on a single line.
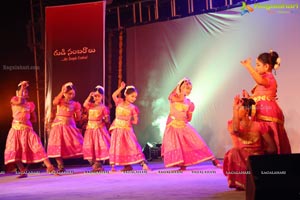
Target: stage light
[(150, 145), (152, 151)]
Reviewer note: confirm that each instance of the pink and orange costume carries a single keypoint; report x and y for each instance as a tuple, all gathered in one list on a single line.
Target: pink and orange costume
[(182, 145), (268, 111), (65, 140), (22, 143), (245, 144), (124, 148), (96, 138)]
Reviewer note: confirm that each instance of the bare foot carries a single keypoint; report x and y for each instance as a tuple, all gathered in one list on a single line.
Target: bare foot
[(99, 169), (145, 167), (22, 175), (217, 163), (51, 170), (127, 168), (113, 169)]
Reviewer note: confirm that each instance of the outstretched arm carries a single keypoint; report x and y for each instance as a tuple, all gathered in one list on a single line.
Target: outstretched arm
[(118, 91), (256, 76)]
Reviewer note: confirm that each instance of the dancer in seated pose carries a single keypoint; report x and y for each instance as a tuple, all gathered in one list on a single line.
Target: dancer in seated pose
[(264, 94), (182, 146), (96, 138), (125, 149), (23, 145), (65, 139), (249, 137)]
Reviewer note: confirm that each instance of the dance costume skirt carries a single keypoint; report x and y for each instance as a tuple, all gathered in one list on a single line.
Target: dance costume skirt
[(24, 145), (96, 144), (65, 141), (269, 112), (183, 146), (124, 147)]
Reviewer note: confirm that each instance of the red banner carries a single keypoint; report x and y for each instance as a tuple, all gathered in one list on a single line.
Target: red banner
[(74, 49)]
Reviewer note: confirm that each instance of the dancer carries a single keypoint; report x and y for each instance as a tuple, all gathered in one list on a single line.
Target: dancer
[(96, 138), (264, 94), (65, 140), (249, 138), (182, 145), (23, 145), (125, 149)]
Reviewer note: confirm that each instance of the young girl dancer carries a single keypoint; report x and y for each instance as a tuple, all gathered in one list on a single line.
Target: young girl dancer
[(65, 140), (182, 145), (249, 137), (125, 149), (96, 138), (23, 145), (264, 94)]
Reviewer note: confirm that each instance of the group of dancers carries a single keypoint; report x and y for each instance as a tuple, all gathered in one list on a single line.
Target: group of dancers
[(257, 127), (65, 140), (182, 145)]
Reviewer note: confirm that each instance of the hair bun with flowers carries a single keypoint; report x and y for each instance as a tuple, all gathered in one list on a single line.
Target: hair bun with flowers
[(277, 65), (278, 60)]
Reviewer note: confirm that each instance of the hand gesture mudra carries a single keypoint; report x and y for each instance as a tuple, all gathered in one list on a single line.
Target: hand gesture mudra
[(246, 63)]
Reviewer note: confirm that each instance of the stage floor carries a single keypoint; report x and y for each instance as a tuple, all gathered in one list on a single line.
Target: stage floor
[(202, 181)]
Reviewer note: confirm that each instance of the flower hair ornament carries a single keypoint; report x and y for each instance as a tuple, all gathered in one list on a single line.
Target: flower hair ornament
[(69, 84), (278, 61), (180, 83), (99, 88), (128, 87), (277, 65)]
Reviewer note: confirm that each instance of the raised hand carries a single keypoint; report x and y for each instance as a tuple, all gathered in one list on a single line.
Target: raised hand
[(245, 94), (246, 63), (63, 89), (123, 84), (91, 94), (237, 102), (23, 84)]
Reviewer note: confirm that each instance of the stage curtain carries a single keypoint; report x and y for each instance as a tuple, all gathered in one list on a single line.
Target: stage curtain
[(208, 48)]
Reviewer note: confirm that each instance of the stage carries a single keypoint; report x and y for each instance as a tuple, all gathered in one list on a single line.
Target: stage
[(202, 181)]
